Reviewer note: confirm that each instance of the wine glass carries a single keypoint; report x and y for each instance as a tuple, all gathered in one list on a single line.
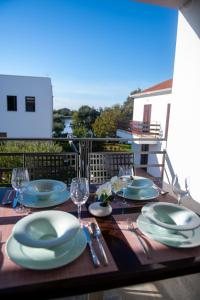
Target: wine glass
[(19, 181), (178, 189), (79, 192), (126, 175)]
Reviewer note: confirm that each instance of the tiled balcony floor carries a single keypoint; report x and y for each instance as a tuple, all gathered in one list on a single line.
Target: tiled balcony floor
[(184, 288)]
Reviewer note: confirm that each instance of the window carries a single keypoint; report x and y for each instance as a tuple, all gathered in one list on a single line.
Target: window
[(12, 103), (30, 103)]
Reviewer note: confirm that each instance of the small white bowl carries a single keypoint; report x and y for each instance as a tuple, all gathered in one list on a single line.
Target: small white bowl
[(46, 229), (140, 183), (44, 188)]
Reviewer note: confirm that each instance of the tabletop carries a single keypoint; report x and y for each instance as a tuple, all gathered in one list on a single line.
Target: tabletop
[(128, 264)]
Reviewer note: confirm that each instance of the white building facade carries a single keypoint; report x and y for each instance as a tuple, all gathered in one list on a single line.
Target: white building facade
[(152, 106), (26, 107)]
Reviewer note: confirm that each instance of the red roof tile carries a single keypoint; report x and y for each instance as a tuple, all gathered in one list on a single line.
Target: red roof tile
[(167, 84)]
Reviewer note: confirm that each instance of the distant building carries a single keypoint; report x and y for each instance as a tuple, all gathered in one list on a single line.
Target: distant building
[(151, 120), (150, 106), (26, 107)]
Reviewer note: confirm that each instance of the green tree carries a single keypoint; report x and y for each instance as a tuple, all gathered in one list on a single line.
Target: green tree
[(107, 123), (127, 111), (83, 119), (64, 112), (138, 90), (58, 125)]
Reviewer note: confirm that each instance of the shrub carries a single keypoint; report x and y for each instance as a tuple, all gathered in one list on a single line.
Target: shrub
[(8, 162)]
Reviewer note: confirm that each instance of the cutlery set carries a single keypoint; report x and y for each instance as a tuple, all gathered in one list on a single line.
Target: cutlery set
[(93, 232)]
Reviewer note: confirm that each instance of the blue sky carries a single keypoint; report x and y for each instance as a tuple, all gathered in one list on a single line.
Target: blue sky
[(95, 51)]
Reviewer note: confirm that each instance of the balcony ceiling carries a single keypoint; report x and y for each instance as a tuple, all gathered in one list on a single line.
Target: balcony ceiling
[(167, 3)]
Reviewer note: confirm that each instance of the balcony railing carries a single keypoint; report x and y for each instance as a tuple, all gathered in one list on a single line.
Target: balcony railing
[(141, 128), (84, 159)]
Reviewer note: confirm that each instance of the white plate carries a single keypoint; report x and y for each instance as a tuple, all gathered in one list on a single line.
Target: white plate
[(52, 200), (171, 216), (140, 183), (46, 229), (139, 195), (45, 259), (173, 238)]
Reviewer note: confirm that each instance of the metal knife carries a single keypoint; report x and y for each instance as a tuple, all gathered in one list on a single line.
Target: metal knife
[(92, 252), (96, 233)]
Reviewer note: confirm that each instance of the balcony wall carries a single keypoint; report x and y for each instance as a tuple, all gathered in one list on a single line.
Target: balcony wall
[(183, 140)]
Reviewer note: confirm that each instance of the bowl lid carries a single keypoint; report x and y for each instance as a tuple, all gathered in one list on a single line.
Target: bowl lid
[(46, 229), (171, 216)]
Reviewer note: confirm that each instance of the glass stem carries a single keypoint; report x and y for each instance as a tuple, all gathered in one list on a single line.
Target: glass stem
[(20, 195), (79, 213), (179, 199), (123, 201)]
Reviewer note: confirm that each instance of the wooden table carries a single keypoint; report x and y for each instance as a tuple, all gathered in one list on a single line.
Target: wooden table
[(129, 269)]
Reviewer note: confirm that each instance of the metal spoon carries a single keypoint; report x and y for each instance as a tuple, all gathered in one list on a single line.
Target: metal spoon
[(96, 233)]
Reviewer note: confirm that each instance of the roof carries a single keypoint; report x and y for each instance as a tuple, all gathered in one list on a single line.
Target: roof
[(161, 88), (167, 84), (167, 3)]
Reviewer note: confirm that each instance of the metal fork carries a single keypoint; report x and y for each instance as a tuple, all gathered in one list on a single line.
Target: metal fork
[(140, 239)]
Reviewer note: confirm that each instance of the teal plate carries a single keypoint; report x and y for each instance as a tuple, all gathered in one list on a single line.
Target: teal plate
[(45, 259), (169, 237), (139, 194), (52, 200)]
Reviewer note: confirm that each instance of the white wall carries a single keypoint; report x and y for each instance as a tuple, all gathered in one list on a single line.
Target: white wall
[(19, 124), (158, 111), (183, 143)]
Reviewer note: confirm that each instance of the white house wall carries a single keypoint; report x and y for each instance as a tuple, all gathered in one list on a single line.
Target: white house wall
[(159, 108), (158, 114), (22, 124), (183, 143)]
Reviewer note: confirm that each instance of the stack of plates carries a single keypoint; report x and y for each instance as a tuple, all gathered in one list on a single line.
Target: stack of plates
[(46, 240), (140, 189), (170, 224), (45, 193)]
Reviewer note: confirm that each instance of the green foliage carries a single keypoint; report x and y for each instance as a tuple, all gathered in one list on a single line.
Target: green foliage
[(64, 112), (138, 90), (80, 131), (58, 124), (107, 123), (58, 128), (127, 110), (23, 146), (82, 121), (111, 147), (13, 161)]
